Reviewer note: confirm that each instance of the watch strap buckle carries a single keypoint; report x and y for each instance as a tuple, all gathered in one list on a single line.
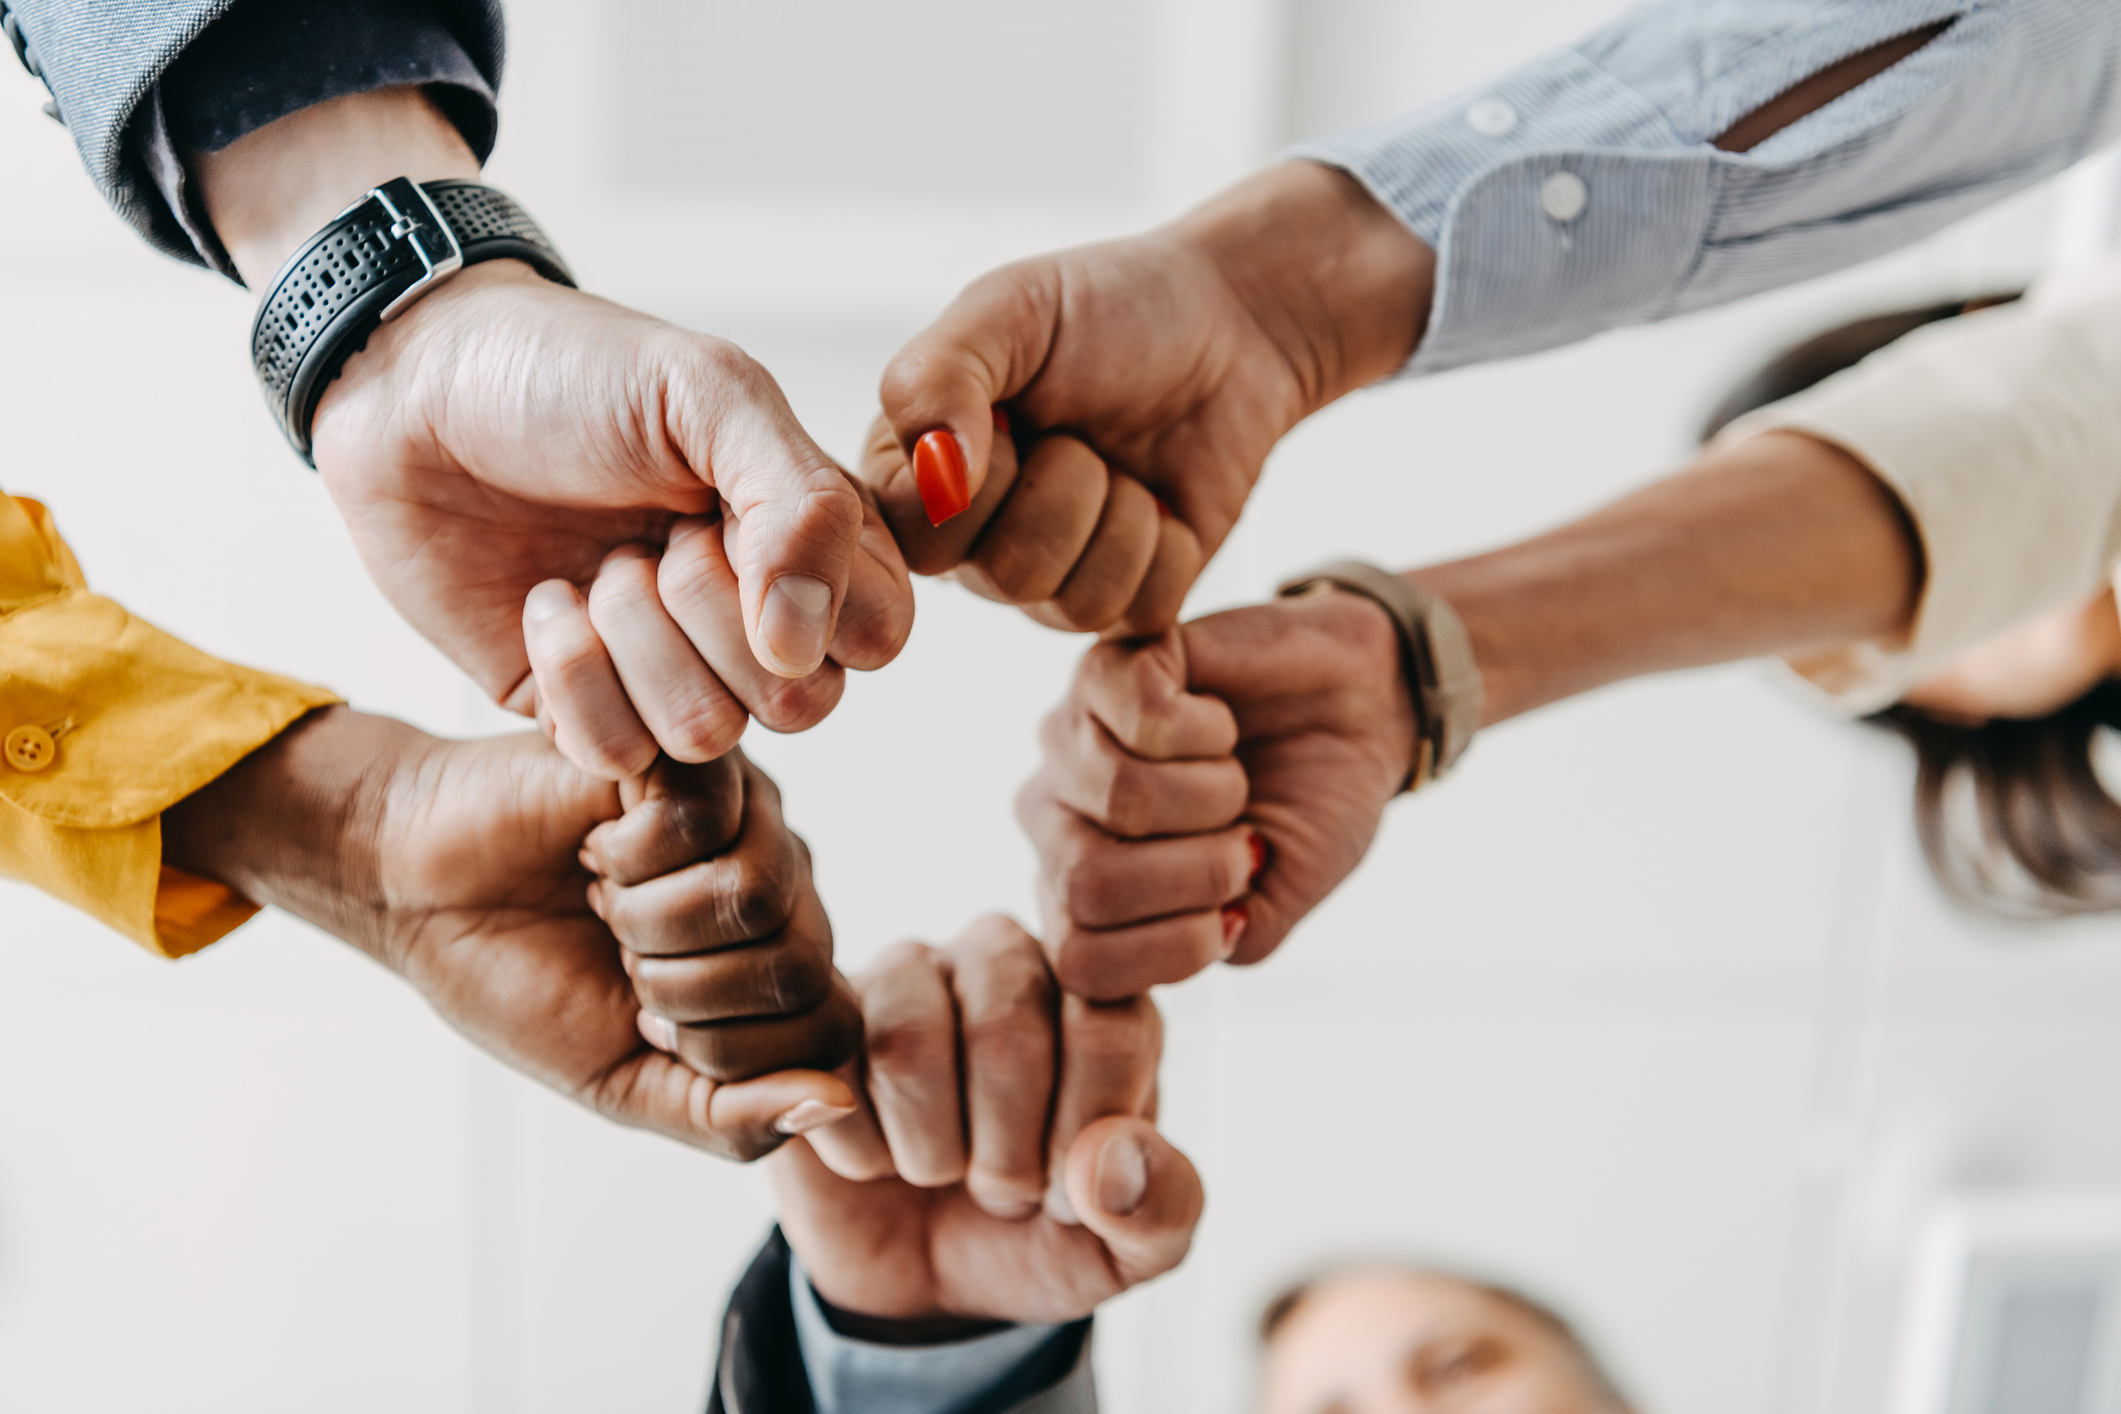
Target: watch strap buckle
[(415, 220)]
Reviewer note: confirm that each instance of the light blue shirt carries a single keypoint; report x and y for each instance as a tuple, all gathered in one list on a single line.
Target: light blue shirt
[(849, 1376), (1580, 192)]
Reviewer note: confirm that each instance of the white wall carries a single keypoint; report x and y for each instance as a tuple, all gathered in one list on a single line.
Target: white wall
[(1652, 1007)]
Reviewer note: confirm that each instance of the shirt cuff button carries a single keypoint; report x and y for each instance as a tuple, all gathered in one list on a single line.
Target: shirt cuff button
[(1563, 197), (30, 749), (1491, 117)]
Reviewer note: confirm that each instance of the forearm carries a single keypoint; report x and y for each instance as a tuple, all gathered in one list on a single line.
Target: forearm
[(294, 824), (272, 189), (1780, 544)]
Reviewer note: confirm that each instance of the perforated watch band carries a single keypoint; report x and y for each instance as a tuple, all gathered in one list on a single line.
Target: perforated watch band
[(373, 260), (1434, 653)]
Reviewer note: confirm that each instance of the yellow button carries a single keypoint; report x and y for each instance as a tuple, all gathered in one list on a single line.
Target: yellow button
[(31, 749)]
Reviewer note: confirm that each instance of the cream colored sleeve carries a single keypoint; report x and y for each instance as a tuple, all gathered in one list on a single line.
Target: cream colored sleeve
[(2001, 433), (105, 722)]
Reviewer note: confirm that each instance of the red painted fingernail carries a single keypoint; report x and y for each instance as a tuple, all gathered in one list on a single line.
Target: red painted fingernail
[(1001, 418), (1235, 921), (939, 472), (1163, 507), (1259, 857)]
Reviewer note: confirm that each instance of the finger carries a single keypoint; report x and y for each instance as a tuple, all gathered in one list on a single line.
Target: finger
[(678, 697), (750, 891), (1137, 1193), (1005, 1005), (932, 549), (790, 972), (1102, 882), (1109, 963), (698, 584), (740, 1121), (1162, 589), (1141, 694), (1026, 552), (818, 1039), (855, 1147), (911, 1056), (877, 618), (1109, 1052), (1088, 770), (982, 350), (594, 725), (801, 517), (1110, 573), (686, 813)]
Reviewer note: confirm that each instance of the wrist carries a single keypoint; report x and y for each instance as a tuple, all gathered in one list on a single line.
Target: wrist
[(935, 1328), (1336, 281), (295, 825), (271, 190)]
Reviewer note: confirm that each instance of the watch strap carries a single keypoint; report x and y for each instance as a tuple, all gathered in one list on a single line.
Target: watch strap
[(370, 263), (1435, 654)]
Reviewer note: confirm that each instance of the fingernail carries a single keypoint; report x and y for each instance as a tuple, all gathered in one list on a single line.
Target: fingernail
[(809, 1115), (1235, 921), (1009, 1210), (658, 1031), (796, 624), (1001, 419), (1122, 1176), (1163, 507), (547, 601), (939, 472), (1259, 857)]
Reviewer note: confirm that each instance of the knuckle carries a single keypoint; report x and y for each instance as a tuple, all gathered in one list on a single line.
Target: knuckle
[(705, 727), (1083, 882), (1106, 1033), (690, 581), (754, 904), (1083, 965), (1127, 800), (796, 704), (796, 979), (905, 1053)]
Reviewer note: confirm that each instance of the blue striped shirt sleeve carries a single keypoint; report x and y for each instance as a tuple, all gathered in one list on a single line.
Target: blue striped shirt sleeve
[(1581, 192)]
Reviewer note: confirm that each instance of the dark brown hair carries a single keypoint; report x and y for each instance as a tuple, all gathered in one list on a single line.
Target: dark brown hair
[(2011, 813), (1595, 1375)]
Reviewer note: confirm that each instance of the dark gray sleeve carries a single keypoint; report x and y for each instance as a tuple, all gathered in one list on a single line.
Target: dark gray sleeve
[(134, 80)]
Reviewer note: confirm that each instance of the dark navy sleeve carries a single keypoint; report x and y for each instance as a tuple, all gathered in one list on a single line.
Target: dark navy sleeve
[(265, 59)]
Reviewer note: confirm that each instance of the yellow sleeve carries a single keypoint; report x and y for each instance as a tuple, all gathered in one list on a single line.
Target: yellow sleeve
[(136, 721)]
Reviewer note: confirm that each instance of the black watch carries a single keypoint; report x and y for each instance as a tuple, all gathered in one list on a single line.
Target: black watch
[(373, 260)]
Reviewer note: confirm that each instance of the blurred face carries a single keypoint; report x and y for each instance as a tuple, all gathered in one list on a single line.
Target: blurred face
[(2031, 670), (1388, 1342)]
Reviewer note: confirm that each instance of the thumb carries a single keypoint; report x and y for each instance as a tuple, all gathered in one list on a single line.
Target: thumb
[(1137, 1193), (940, 391), (794, 518)]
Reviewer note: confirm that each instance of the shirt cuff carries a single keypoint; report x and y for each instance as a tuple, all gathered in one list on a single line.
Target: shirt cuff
[(265, 59), (2000, 435), (137, 721), (1582, 192), (850, 1376)]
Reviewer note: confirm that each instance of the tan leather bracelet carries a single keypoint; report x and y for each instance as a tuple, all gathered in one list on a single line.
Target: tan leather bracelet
[(1434, 653)]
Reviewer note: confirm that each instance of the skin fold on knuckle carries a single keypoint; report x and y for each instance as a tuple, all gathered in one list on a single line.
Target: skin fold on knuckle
[(1087, 882), (797, 704), (1090, 965), (1116, 1040), (1126, 795), (755, 893)]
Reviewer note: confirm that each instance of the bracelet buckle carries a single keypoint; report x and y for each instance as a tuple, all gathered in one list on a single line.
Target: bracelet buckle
[(415, 220)]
